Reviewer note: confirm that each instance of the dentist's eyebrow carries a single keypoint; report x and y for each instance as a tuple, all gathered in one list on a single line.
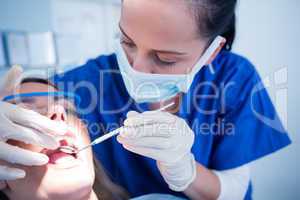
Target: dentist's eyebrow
[(169, 52), (156, 50), (123, 32)]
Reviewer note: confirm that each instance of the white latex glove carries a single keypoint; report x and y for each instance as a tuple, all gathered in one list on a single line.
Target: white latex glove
[(22, 125), (165, 138)]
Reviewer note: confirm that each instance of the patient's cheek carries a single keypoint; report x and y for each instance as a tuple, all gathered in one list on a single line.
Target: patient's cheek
[(83, 135), (81, 131)]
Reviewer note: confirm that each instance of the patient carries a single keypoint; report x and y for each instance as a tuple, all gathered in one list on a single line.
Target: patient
[(66, 176)]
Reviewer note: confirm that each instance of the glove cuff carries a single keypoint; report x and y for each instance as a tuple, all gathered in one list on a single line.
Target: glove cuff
[(179, 175)]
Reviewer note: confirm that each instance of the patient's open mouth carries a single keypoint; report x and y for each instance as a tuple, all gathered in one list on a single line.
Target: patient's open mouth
[(59, 157)]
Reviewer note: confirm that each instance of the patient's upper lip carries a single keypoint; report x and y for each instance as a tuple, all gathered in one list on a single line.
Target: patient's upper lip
[(62, 142), (69, 137), (70, 134)]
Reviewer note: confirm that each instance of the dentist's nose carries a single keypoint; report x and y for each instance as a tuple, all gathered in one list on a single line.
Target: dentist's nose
[(139, 61), (57, 113), (141, 64)]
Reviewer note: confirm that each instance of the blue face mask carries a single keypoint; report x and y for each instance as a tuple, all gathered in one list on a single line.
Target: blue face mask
[(144, 87)]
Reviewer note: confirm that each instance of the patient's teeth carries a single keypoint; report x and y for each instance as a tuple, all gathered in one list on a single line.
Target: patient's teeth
[(64, 160)]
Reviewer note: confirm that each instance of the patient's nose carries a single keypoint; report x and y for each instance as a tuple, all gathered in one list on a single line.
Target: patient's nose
[(57, 113)]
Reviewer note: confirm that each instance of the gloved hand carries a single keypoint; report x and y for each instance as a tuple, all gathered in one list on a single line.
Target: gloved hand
[(22, 125), (165, 138)]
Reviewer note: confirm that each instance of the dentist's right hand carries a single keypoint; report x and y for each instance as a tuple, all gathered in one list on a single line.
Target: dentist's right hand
[(22, 125)]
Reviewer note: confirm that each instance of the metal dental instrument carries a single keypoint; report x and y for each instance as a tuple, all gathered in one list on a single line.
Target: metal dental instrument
[(72, 150)]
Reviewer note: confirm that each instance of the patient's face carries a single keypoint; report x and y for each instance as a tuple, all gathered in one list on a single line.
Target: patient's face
[(65, 176)]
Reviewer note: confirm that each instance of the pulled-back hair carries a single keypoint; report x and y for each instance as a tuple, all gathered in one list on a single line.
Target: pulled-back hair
[(215, 17)]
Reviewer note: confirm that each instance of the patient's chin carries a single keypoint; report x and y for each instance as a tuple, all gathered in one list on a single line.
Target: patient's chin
[(54, 181), (80, 190), (68, 183)]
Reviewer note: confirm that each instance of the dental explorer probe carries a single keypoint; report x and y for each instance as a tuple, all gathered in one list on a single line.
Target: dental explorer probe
[(72, 150)]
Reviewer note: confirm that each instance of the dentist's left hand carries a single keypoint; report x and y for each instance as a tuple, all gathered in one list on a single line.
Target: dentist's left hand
[(165, 138), (25, 126)]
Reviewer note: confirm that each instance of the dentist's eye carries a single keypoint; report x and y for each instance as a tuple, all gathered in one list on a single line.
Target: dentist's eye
[(159, 61)]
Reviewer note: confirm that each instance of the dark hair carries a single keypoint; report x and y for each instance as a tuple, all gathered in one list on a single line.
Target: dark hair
[(38, 80), (215, 17), (104, 188), (3, 196)]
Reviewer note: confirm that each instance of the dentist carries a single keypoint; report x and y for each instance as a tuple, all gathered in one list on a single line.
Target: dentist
[(172, 51)]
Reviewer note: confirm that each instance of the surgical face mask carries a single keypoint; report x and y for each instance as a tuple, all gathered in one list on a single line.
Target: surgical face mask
[(146, 87)]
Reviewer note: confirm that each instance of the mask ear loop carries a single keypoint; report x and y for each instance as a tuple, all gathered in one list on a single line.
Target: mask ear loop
[(214, 46)]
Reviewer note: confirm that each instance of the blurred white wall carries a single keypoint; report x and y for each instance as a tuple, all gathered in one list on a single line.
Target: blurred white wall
[(14, 12), (268, 34), (24, 16), (84, 32)]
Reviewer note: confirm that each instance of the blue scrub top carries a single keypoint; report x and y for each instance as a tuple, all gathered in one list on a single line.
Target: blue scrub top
[(229, 111)]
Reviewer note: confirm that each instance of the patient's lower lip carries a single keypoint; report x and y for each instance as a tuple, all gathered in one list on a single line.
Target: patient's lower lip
[(60, 158)]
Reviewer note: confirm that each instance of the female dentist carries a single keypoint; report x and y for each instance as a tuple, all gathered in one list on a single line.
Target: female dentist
[(222, 118)]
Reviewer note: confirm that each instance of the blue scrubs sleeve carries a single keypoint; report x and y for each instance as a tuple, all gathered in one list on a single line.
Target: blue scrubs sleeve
[(252, 126)]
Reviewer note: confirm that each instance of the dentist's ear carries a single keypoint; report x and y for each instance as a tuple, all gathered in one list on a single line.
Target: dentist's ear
[(216, 52)]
